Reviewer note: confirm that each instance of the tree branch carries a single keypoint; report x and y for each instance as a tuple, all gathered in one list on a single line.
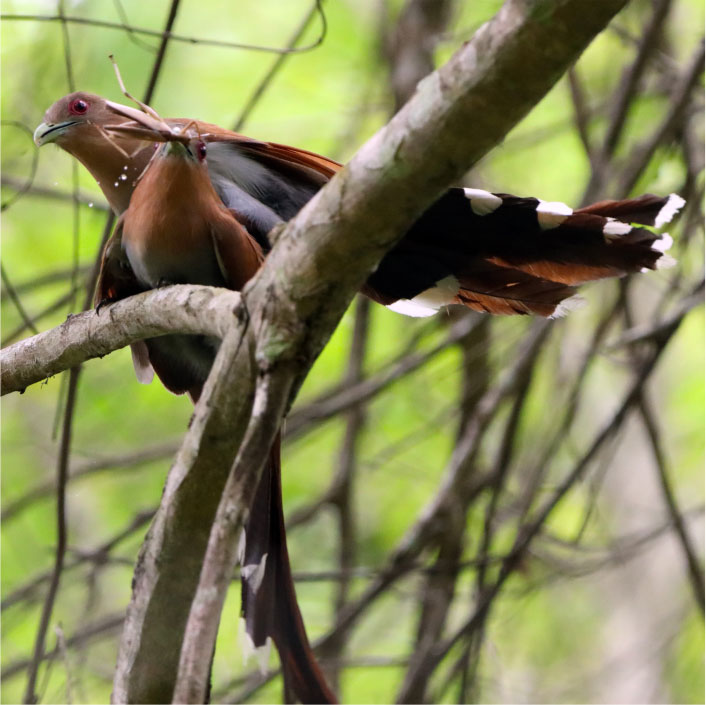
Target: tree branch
[(199, 310)]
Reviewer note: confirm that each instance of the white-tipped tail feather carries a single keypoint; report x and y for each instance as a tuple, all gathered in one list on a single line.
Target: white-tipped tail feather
[(141, 362), (482, 202), (665, 262), (254, 573), (551, 214), (614, 229), (669, 210), (261, 654), (663, 244), (430, 301), (573, 303)]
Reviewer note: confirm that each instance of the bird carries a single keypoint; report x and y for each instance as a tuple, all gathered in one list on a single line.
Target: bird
[(490, 252), (176, 229)]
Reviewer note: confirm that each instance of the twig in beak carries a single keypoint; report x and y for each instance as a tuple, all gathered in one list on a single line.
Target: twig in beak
[(144, 106)]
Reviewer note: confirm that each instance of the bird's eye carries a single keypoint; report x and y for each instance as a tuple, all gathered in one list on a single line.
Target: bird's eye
[(78, 107), (201, 151)]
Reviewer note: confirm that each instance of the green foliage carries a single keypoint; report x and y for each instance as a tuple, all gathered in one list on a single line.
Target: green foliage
[(548, 633)]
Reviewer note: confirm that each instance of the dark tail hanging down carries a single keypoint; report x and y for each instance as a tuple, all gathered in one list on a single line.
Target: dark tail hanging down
[(269, 603)]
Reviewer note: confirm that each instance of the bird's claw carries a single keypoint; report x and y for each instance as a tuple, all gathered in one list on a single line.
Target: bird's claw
[(104, 302)]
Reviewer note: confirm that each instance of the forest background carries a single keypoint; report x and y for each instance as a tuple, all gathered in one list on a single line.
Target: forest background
[(606, 603)]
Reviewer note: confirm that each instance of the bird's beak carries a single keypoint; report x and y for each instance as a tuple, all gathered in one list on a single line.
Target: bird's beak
[(50, 132)]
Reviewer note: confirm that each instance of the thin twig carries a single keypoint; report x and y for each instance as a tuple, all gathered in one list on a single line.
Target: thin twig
[(528, 531), (161, 51), (22, 187), (155, 33), (277, 64), (694, 570), (331, 403), (127, 461), (100, 629), (120, 9), (582, 114), (679, 102), (30, 189), (99, 553), (30, 322), (61, 536), (627, 89), (11, 292), (340, 495)]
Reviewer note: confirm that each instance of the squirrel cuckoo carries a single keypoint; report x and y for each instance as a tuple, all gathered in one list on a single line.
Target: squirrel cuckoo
[(491, 252), (177, 230)]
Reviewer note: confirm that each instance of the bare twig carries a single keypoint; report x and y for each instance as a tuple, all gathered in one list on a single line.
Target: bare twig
[(22, 187), (340, 495), (529, 530), (31, 189), (277, 64), (694, 569), (166, 35), (626, 90), (161, 34), (100, 553), (30, 323), (61, 535), (582, 114), (57, 276), (11, 292), (127, 461), (344, 397), (679, 102), (100, 629)]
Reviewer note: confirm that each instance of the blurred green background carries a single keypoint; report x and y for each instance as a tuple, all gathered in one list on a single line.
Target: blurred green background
[(581, 621)]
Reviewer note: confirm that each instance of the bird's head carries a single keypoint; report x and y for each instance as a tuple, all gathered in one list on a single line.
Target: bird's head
[(193, 149), (71, 117), (77, 123)]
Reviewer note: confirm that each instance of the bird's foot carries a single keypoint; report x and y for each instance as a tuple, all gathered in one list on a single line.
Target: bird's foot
[(104, 302)]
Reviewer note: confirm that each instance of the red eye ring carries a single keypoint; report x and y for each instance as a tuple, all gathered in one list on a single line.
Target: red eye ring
[(78, 107), (201, 150)]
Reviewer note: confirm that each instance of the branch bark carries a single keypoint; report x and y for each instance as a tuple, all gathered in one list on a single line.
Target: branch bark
[(199, 310)]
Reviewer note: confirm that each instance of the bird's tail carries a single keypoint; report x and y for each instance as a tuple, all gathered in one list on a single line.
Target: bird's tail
[(502, 254), (269, 603)]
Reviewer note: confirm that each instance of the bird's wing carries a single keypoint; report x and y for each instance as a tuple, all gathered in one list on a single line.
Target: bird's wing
[(266, 150), (116, 281), (238, 254)]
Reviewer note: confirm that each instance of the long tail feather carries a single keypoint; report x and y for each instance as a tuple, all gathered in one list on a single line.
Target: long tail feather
[(269, 602), (503, 254)]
